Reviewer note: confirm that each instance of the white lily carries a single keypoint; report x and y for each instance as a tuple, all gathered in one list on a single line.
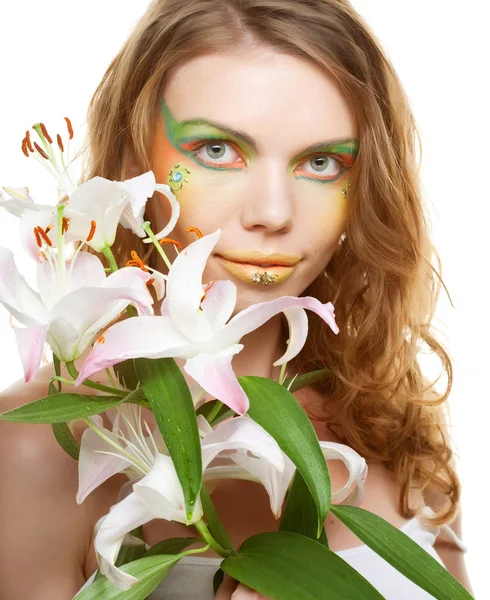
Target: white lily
[(158, 494), (194, 326), (239, 465), (101, 201), (73, 304), (109, 203)]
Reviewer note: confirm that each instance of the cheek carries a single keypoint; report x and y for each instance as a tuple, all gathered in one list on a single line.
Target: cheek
[(206, 196), (324, 218)]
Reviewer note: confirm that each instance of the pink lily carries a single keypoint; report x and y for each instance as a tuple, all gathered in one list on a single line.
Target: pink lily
[(195, 325), (73, 304)]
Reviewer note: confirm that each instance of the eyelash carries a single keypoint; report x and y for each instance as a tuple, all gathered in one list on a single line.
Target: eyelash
[(338, 160)]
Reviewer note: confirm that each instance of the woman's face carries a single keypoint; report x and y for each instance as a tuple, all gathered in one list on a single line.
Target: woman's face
[(264, 142)]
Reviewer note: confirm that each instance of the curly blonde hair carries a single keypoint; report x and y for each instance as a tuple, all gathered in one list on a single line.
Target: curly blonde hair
[(381, 279)]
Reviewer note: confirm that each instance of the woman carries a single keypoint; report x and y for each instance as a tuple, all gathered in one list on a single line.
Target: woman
[(292, 135)]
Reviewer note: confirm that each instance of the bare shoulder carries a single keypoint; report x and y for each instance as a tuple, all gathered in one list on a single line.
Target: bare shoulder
[(45, 533), (381, 497)]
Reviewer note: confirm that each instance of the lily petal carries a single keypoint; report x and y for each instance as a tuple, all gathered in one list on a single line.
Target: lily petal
[(242, 433), (255, 316), (93, 467), (17, 296), (184, 289), (110, 532), (219, 303), (150, 337), (101, 200), (91, 309), (357, 467), (175, 212), (86, 271), (30, 341), (160, 491), (214, 373), (140, 189)]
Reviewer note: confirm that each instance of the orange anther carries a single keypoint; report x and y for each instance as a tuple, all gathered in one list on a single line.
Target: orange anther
[(48, 228), (60, 142), (137, 262), (91, 234), (45, 133), (101, 340), (171, 241), (28, 138), (24, 147), (41, 151), (38, 237), (70, 128), (65, 224), (195, 230), (150, 281), (44, 236)]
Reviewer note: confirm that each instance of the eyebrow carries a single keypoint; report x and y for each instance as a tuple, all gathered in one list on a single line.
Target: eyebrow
[(241, 135)]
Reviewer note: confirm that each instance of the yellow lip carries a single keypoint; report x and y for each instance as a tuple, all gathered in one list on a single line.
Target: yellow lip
[(274, 274)]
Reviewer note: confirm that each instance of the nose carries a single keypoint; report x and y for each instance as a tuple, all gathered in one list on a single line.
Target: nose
[(269, 205)]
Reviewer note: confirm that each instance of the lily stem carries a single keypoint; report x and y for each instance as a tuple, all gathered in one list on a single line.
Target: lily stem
[(70, 367), (110, 259), (209, 539), (147, 227)]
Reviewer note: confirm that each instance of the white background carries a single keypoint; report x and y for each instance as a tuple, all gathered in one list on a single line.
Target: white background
[(53, 54)]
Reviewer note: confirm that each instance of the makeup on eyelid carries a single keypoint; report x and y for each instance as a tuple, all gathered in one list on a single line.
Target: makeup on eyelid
[(192, 135)]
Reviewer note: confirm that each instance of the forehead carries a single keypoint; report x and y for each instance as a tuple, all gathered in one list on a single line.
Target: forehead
[(282, 101)]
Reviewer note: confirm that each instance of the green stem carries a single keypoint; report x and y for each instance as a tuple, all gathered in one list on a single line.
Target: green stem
[(61, 261), (70, 367), (214, 411), (110, 259), (147, 227), (209, 539)]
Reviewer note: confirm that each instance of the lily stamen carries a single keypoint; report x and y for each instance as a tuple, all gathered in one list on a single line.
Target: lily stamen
[(45, 133), (29, 143), (91, 234), (177, 244), (70, 128), (195, 230), (137, 262), (40, 150), (38, 237), (65, 224), (44, 236), (24, 147), (60, 142)]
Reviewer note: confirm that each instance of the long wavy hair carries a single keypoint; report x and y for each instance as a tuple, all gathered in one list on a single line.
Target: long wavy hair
[(383, 279)]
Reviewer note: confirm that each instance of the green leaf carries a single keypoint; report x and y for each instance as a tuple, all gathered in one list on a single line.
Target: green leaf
[(278, 412), (214, 523), (126, 374), (208, 408), (172, 546), (300, 514), (402, 553), (150, 570), (171, 401), (128, 554), (66, 439), (287, 566), (61, 407), (218, 580), (301, 381)]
